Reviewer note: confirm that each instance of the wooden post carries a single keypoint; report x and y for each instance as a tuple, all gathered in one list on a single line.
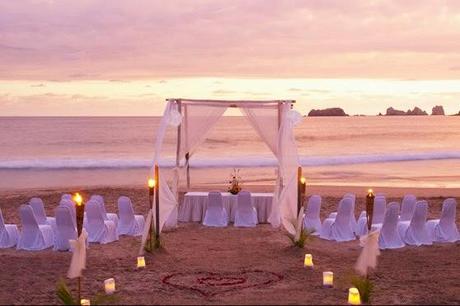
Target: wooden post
[(151, 194), (369, 209), (179, 139), (157, 206), (187, 159), (80, 213), (299, 190)]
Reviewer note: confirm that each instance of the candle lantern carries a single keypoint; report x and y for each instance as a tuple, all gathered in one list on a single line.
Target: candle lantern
[(328, 279), (85, 302), (109, 286), (308, 261), (353, 297), (369, 208), (141, 262)]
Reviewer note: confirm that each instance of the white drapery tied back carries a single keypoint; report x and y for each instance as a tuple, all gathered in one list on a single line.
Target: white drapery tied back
[(78, 262), (175, 118), (294, 117)]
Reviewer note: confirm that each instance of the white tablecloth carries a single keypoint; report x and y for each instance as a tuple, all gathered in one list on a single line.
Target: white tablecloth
[(194, 206)]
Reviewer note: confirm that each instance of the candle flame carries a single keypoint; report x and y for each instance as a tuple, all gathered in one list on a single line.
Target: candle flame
[(78, 199), (151, 183)]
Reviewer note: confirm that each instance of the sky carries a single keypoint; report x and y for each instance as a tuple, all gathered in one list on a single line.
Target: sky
[(99, 57)]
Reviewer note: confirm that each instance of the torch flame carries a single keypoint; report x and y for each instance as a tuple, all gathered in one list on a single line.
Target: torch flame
[(303, 180), (151, 183), (78, 199), (370, 191)]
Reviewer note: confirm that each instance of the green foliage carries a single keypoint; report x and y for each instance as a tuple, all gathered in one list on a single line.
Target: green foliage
[(152, 243), (305, 236), (102, 299), (364, 286), (64, 294)]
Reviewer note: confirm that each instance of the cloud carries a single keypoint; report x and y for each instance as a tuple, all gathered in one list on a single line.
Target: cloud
[(100, 39)]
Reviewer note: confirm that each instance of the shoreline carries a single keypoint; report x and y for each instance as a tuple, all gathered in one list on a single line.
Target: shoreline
[(324, 190)]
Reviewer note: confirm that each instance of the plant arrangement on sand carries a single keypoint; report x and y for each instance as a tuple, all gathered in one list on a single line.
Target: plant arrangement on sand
[(65, 296), (302, 235), (235, 178), (364, 286)]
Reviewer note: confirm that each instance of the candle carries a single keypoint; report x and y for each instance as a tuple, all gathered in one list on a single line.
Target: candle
[(308, 262), (328, 279), (109, 286), (141, 262), (85, 302), (353, 297)]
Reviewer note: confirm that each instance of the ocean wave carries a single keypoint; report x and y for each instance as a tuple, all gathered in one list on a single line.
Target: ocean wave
[(241, 161)]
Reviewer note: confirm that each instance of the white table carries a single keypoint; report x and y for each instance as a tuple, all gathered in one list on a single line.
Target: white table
[(194, 206)]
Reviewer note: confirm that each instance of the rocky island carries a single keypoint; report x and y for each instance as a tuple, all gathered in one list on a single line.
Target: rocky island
[(335, 112), (415, 112)]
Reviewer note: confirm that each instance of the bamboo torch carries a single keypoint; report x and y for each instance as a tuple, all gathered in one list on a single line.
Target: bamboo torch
[(369, 208)]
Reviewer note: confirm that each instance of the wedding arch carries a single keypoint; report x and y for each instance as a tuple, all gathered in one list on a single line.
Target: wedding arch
[(193, 119)]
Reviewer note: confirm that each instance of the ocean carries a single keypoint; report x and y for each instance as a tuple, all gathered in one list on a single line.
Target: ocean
[(49, 152)]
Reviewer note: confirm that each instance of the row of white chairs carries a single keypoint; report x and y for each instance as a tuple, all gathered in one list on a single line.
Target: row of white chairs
[(397, 228), (216, 215), (41, 232)]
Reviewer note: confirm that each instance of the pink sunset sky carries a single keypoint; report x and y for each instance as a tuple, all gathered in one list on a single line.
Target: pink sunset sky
[(125, 57)]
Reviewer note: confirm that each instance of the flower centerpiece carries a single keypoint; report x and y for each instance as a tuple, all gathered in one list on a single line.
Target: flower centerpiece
[(235, 186)]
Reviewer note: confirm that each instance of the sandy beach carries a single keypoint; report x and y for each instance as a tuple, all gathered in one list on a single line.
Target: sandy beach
[(200, 265)]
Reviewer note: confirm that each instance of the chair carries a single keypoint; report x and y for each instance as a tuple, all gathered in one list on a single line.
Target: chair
[(378, 215), (389, 237), (34, 236), (66, 196), (129, 223), (99, 230), (312, 220), (107, 216), (407, 208), (246, 214), (71, 206), (416, 233), (353, 223), (340, 228), (66, 229), (216, 215), (445, 229), (8, 234), (39, 210)]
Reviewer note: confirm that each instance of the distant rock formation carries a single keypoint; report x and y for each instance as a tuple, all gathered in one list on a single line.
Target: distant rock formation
[(415, 112), (438, 110), (336, 111), (394, 112)]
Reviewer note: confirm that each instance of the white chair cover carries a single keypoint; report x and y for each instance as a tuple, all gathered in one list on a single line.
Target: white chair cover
[(215, 215), (8, 234), (71, 206), (107, 216), (340, 228), (378, 214), (66, 229), (353, 222), (407, 207), (129, 224), (312, 220), (34, 236), (246, 214), (99, 230), (416, 233), (39, 210), (445, 229), (66, 196), (389, 236)]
